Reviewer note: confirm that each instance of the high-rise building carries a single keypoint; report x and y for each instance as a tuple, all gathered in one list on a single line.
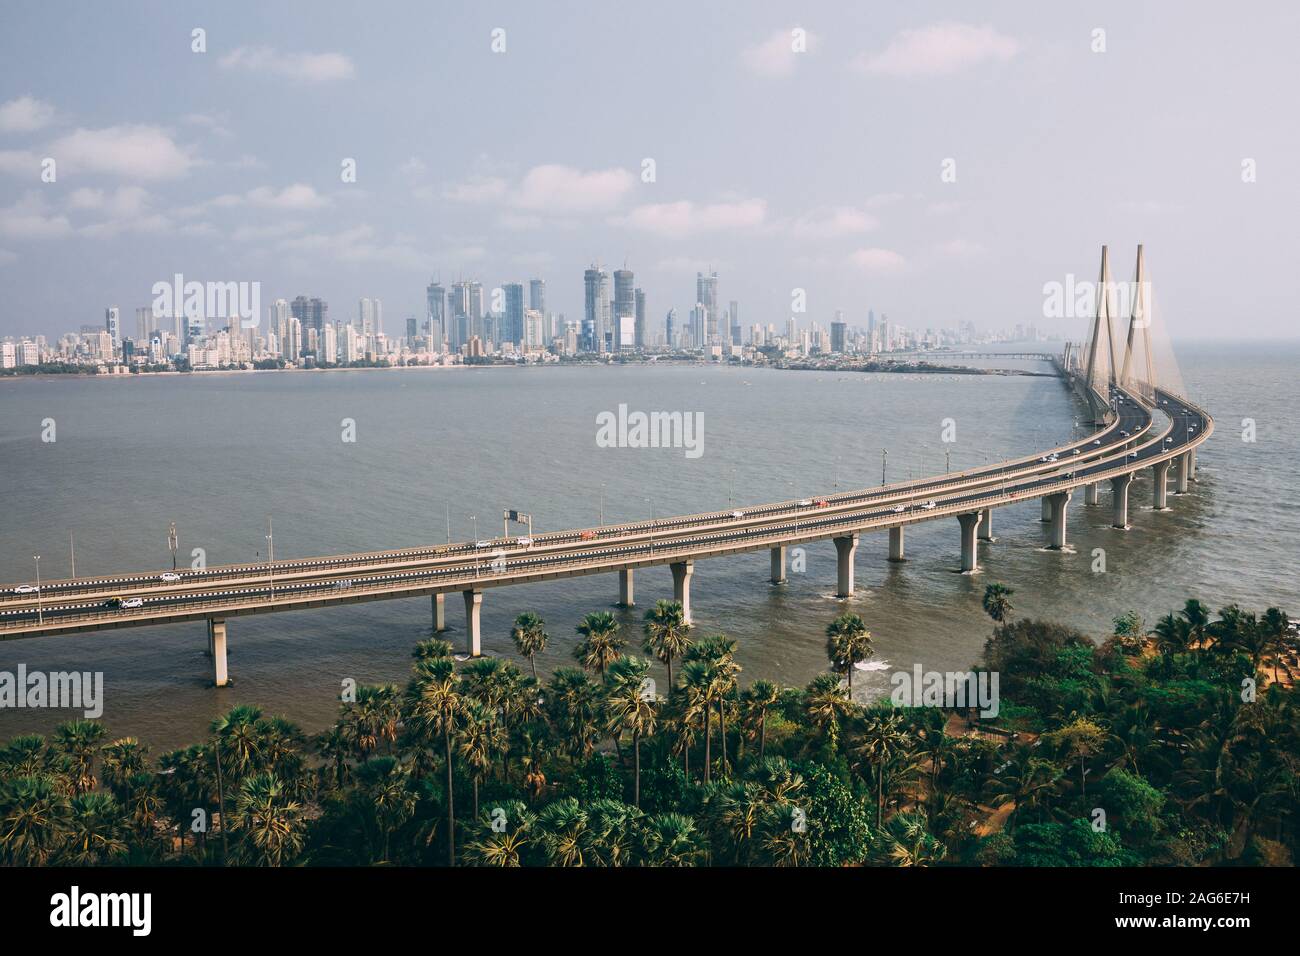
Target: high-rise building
[(839, 334), (624, 306), (310, 313), (534, 336), (639, 335), (537, 295), (144, 324), (436, 316), (670, 328), (113, 325), (706, 294), (514, 315), (293, 340), (733, 316), (412, 331), (595, 321), (327, 346)]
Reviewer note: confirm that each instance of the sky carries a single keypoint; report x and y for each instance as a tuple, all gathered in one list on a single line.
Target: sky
[(937, 162)]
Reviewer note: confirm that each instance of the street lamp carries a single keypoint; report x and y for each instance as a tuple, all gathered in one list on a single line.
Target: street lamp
[(884, 464), (652, 525), (474, 520), (602, 505), (172, 542), (40, 605)]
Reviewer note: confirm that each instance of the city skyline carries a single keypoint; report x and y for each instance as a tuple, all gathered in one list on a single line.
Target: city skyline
[(263, 161)]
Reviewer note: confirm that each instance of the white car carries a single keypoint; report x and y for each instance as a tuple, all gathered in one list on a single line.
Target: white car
[(899, 509), (1097, 442), (482, 544), (525, 542), (171, 577), (805, 502), (26, 589), (133, 602), (1044, 458), (929, 506), (738, 514), (1075, 452)]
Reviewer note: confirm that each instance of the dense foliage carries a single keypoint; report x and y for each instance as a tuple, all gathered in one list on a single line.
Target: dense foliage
[(1176, 746)]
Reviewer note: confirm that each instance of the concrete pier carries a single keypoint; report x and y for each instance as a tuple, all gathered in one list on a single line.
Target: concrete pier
[(1184, 472), (896, 544), (986, 525), (1160, 486), (1192, 469), (1058, 503), (473, 616), (682, 571), (1047, 512), (1092, 494), (778, 565), (845, 550), (970, 523), (217, 637), (626, 597), (439, 605), (1119, 490)]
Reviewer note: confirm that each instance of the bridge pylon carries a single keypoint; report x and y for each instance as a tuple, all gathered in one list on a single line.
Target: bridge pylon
[(1139, 318), (1099, 373)]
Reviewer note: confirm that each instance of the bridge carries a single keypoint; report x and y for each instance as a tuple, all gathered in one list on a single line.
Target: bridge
[(1127, 439)]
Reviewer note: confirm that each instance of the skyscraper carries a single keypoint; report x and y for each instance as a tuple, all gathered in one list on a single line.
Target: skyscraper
[(113, 325), (436, 316), (537, 295), (706, 294), (639, 296), (514, 316), (670, 328), (624, 305), (595, 319), (733, 316), (839, 334), (311, 313)]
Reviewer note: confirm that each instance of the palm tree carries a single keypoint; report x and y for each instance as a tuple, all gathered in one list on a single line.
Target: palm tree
[(1082, 738), (907, 842), (502, 837), (601, 643), (763, 695), (847, 643), (375, 716), (880, 741), (384, 786), (631, 707), (997, 602), (563, 833), (667, 635), (1173, 636), (574, 704), (1276, 626), (1197, 616), (530, 637), (482, 736), (670, 839), (34, 815), (1024, 781), (121, 761), (698, 681), (272, 822), (77, 743), (717, 654), (94, 830), (826, 705), (435, 705)]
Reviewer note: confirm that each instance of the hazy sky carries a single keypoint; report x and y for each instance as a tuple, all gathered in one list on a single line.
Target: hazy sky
[(819, 170)]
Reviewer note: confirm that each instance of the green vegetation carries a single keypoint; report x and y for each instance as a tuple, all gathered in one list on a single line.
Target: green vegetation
[(1147, 749)]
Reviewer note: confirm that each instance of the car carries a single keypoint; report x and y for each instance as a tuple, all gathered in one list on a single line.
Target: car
[(1044, 458), (525, 542), (1097, 442), (805, 502), (587, 535), (26, 589), (1053, 457), (899, 509), (738, 514), (1124, 433), (171, 577), (1190, 429), (483, 544), (929, 506), (822, 503), (113, 603), (133, 602), (1075, 452)]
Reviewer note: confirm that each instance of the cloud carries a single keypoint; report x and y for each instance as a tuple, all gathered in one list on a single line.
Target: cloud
[(301, 67), (7, 257), (550, 188), (138, 152), (833, 223), (677, 220), (937, 50), (20, 163), (776, 55), (357, 245), (277, 230), (879, 262), (961, 249), (298, 196), (883, 199), (217, 125), (30, 218), (478, 189), (25, 114)]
